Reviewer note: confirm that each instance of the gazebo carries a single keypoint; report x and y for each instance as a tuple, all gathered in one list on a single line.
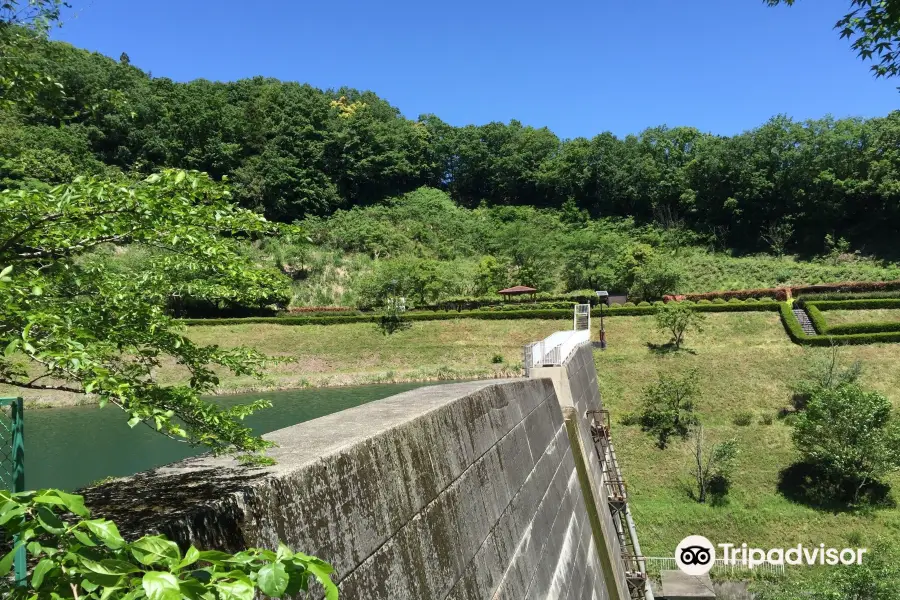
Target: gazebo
[(517, 291)]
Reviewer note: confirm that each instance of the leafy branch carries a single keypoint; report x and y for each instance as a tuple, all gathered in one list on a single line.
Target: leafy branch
[(76, 557)]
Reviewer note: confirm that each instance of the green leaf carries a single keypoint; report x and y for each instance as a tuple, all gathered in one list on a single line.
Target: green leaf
[(107, 532), (160, 586), (118, 567), (214, 556), (234, 590), (322, 574), (83, 538), (7, 561), (272, 579), (40, 570), (190, 557), (179, 177), (152, 550), (50, 521)]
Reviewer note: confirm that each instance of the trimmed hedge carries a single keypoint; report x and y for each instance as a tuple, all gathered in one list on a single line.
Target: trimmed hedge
[(371, 318), (817, 319), (845, 287), (814, 310), (795, 332), (552, 314), (777, 293), (852, 328), (864, 304), (848, 296)]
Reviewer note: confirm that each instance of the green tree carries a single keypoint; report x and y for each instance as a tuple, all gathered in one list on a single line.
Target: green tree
[(676, 318), (68, 322), (874, 27), (668, 407), (851, 433), (658, 276)]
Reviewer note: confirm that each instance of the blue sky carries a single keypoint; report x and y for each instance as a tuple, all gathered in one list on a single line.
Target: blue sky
[(579, 68)]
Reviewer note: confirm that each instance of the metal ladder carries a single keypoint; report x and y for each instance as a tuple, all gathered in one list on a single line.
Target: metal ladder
[(617, 500)]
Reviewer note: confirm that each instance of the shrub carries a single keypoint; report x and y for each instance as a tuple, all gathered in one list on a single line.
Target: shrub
[(851, 433), (644, 303), (676, 319), (767, 419), (743, 419), (669, 407), (497, 359)]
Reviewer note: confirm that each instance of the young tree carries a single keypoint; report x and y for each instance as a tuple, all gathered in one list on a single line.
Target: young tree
[(851, 433), (712, 465), (669, 407), (71, 323), (676, 318), (655, 278)]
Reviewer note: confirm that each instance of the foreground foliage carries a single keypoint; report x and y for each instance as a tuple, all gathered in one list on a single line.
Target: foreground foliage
[(70, 323), (81, 558)]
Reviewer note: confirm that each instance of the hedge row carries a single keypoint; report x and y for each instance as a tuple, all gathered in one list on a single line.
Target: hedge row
[(372, 318), (851, 328), (475, 302), (846, 287), (795, 332), (862, 304), (848, 296), (618, 310), (819, 321), (777, 293)]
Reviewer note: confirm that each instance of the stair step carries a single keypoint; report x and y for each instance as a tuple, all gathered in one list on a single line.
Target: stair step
[(804, 321)]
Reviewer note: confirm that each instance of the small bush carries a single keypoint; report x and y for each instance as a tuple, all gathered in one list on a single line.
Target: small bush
[(767, 419), (719, 301), (743, 419), (497, 359), (644, 303)]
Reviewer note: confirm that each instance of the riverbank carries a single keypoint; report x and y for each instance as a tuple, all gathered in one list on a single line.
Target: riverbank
[(315, 356)]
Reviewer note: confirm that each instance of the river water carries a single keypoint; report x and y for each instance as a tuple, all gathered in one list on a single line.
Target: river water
[(70, 448)]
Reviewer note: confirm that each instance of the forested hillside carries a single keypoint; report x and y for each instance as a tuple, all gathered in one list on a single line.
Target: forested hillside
[(294, 152)]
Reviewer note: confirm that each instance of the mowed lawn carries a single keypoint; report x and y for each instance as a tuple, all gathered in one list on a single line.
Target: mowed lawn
[(745, 363), (332, 355), (844, 317)]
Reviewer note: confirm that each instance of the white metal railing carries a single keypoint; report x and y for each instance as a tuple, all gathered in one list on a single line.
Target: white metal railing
[(582, 317), (665, 563), (555, 349)]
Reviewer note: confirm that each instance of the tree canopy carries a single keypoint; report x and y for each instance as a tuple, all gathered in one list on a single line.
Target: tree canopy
[(70, 322), (293, 151)]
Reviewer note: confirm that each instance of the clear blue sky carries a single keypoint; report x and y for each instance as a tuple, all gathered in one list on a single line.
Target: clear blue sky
[(577, 67)]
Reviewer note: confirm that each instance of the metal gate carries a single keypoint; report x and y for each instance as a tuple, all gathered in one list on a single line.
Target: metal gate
[(12, 460)]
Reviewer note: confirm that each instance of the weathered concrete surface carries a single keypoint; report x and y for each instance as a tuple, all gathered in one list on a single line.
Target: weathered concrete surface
[(464, 491), (576, 387), (677, 585)]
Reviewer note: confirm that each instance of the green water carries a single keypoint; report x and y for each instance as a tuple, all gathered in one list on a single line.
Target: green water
[(69, 448)]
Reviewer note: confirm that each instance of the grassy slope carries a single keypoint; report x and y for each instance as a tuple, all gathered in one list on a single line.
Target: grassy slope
[(745, 362), (359, 353)]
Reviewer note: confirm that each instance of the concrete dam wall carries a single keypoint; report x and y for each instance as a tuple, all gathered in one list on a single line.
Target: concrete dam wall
[(462, 491)]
